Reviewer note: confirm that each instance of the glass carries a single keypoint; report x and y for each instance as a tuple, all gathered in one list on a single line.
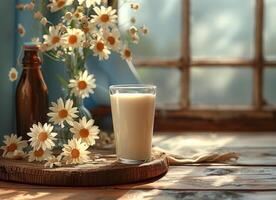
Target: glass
[(163, 18), (133, 108), (222, 28), (221, 86), (269, 86), (269, 30), (166, 78)]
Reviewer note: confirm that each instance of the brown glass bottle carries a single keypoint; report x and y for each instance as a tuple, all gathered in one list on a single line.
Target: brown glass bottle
[(31, 93)]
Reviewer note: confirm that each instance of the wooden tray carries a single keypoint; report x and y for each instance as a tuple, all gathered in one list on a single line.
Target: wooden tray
[(100, 173)]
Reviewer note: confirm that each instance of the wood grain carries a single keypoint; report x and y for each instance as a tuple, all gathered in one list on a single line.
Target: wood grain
[(206, 178), (110, 194), (183, 182), (98, 173)]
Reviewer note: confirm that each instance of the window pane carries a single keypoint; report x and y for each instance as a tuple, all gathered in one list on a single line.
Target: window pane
[(221, 86), (270, 86), (222, 28), (167, 82), (270, 31), (163, 19)]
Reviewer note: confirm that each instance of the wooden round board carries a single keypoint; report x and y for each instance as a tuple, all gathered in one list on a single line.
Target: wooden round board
[(104, 171)]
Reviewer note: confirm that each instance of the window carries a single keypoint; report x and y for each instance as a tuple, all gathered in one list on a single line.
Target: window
[(212, 59)]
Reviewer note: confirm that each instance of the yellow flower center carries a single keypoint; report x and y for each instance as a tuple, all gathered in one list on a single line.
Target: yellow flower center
[(104, 18), (39, 152), (127, 53), (82, 85), (111, 40), (77, 15), (60, 3), (85, 29), (42, 136), (63, 113), (13, 75), (55, 39), (84, 133), (75, 153), (20, 31), (100, 46), (12, 147), (72, 39)]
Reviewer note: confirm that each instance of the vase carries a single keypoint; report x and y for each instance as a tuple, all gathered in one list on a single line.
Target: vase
[(64, 133)]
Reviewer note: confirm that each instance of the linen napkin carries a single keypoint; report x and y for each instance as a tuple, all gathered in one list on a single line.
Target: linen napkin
[(212, 157)]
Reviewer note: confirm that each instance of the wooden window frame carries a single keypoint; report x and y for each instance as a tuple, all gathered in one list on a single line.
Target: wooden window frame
[(257, 117)]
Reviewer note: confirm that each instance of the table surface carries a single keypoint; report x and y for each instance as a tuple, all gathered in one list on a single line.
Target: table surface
[(252, 177)]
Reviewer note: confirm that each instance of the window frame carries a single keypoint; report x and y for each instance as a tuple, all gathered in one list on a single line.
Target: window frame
[(185, 63), (257, 117)]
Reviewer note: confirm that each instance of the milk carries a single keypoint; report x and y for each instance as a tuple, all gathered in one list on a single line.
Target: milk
[(133, 116)]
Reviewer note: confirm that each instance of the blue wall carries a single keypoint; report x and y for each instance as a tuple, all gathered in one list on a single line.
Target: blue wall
[(7, 41), (113, 71)]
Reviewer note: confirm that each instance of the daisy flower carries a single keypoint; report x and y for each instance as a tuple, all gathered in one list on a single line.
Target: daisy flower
[(13, 74), (13, 143), (62, 112), (18, 154), (36, 40), (83, 84), (56, 5), (86, 131), (104, 16), (29, 6), (77, 15), (54, 37), (144, 30), (39, 155), (132, 30), (44, 47), (44, 21), (89, 3), (21, 30), (73, 38), (89, 28), (126, 53), (53, 161), (42, 136), (112, 39), (135, 6), (38, 15), (75, 152), (68, 16), (100, 49), (135, 38)]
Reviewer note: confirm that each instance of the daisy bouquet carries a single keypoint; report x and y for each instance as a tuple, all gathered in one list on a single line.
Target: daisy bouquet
[(84, 27)]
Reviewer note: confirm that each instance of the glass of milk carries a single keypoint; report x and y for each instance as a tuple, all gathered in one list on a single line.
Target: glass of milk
[(133, 107)]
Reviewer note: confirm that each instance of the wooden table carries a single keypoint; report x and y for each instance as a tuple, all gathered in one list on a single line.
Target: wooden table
[(252, 177)]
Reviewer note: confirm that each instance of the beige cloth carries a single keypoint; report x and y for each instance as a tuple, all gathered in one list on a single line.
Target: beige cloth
[(227, 157)]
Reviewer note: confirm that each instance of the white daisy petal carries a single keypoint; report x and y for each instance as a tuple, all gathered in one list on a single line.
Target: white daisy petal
[(85, 131), (63, 112), (75, 152), (41, 135), (82, 87), (12, 144)]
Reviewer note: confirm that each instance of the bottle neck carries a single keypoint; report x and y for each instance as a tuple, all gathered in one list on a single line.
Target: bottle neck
[(31, 60)]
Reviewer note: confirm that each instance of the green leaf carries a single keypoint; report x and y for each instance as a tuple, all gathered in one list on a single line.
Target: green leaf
[(62, 81)]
